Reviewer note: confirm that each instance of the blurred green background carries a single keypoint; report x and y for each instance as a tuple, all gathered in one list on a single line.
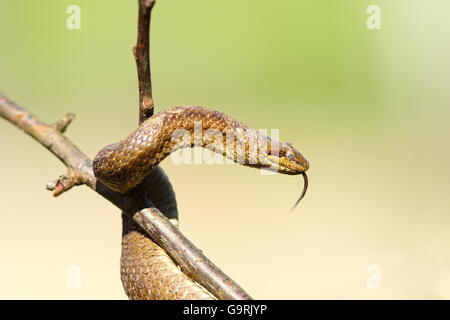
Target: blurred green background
[(370, 109)]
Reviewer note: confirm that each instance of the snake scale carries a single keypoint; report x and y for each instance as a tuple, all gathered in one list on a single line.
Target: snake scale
[(147, 272)]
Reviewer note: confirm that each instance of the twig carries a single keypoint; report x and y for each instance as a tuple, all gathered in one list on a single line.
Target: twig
[(79, 171), (142, 55), (64, 122)]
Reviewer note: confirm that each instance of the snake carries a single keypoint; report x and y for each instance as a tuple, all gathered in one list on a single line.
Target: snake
[(147, 272)]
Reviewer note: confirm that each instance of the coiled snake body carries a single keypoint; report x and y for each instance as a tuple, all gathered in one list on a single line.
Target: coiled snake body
[(146, 270)]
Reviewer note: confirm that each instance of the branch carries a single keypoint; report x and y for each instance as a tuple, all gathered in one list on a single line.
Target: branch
[(191, 260), (79, 171), (142, 55)]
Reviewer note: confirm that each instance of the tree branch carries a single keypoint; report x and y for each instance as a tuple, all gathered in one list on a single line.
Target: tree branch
[(142, 55), (191, 260), (79, 171)]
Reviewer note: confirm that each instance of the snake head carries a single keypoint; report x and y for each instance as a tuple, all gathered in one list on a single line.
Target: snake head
[(294, 159), (286, 159)]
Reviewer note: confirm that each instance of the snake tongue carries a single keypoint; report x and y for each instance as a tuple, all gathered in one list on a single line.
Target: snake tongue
[(305, 187)]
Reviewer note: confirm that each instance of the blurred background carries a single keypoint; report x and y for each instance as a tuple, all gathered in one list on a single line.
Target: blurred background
[(370, 110)]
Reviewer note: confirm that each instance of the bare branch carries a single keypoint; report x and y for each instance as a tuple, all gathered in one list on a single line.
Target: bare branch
[(190, 259), (51, 138), (142, 55)]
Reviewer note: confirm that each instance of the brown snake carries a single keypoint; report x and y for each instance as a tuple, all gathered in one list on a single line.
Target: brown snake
[(147, 272)]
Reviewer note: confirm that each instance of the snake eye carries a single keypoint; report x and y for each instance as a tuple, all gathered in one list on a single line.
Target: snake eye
[(290, 156)]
